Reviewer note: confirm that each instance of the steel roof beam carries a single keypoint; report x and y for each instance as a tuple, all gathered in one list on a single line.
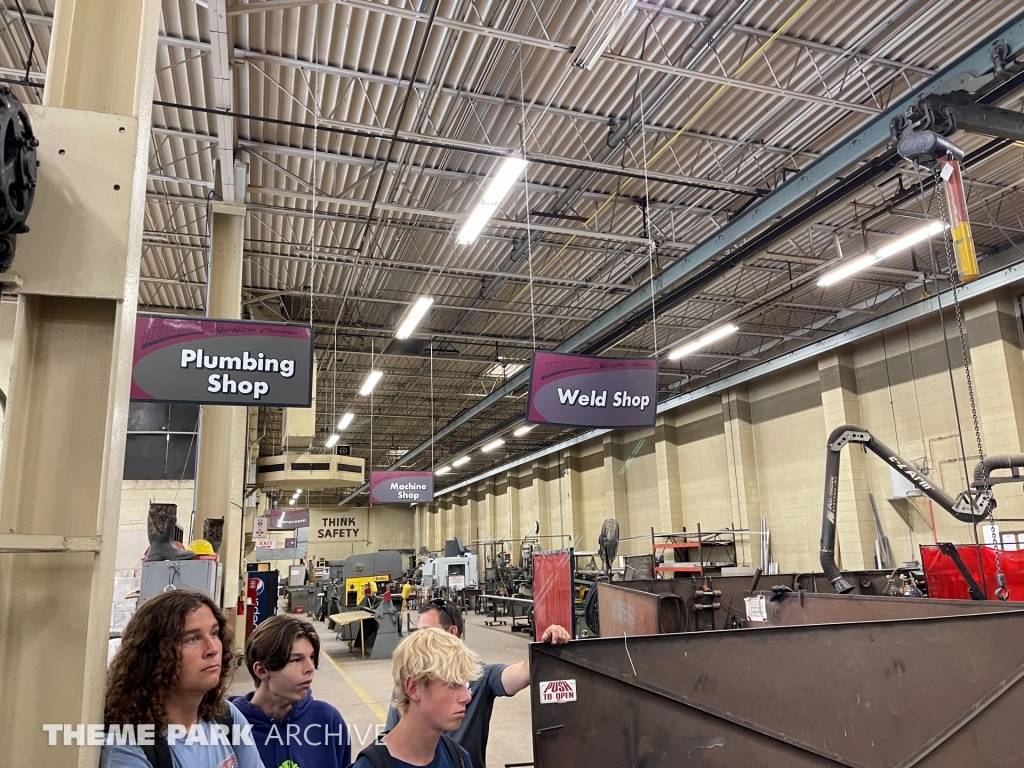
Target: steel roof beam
[(799, 42), (289, 151), (440, 142), (536, 42)]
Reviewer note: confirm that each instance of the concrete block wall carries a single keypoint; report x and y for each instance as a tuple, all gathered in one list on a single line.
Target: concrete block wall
[(387, 527), (759, 452), (789, 432), (702, 464)]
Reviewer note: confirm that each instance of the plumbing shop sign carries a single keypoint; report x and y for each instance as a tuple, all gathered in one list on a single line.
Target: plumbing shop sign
[(222, 362), (401, 487), (583, 391), (557, 691)]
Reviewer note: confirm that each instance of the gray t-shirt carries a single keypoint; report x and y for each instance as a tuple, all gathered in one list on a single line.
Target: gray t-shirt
[(195, 755), (476, 725)]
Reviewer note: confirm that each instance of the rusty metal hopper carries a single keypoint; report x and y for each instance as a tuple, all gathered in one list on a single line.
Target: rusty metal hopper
[(940, 692)]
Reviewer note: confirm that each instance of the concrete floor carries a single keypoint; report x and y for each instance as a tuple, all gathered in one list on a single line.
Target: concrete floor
[(361, 690)]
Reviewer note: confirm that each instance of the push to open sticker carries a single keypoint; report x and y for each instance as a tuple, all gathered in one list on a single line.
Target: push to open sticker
[(557, 691)]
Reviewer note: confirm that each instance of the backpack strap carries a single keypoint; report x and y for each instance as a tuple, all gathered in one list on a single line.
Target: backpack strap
[(453, 751), (159, 752), (378, 756), (226, 719)]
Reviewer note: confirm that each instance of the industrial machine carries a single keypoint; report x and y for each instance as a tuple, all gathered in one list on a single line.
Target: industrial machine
[(369, 572), (971, 506), (451, 575)]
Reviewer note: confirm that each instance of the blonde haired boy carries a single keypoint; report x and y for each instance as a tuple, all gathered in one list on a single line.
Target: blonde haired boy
[(431, 669)]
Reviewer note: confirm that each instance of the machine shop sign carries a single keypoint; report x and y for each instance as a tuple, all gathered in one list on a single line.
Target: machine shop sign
[(401, 487), (584, 391), (222, 362), (287, 519)]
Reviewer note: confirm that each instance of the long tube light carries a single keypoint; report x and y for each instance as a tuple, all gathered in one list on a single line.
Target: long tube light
[(345, 421), (413, 316), (371, 381), (890, 249), (599, 35), (492, 445), (444, 470), (523, 430), (460, 461), (510, 170), (703, 341), (332, 440)]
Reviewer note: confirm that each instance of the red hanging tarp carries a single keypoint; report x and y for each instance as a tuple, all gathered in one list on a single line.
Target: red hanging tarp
[(945, 580), (552, 592)]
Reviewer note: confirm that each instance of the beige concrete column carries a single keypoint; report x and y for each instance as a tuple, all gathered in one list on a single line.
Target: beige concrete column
[(743, 488), (513, 528), (472, 526), (60, 483), (572, 499), (997, 368), (666, 456), (615, 494), (217, 428), (855, 522), (997, 373), (541, 511), (489, 526)]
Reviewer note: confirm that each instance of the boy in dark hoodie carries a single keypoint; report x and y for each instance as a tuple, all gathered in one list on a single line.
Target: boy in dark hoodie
[(291, 728)]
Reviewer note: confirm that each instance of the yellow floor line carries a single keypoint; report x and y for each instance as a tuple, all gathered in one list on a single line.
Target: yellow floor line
[(359, 690)]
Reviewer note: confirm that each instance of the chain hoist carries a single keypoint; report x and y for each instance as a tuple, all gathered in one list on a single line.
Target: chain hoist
[(938, 169)]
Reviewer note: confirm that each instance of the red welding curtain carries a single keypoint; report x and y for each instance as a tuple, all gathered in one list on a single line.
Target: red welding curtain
[(552, 592), (945, 581)]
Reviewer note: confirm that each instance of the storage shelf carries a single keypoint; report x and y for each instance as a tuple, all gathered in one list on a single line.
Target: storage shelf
[(678, 569), (686, 545)]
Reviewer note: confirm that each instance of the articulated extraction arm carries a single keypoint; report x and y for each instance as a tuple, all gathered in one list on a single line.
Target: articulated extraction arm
[(967, 507)]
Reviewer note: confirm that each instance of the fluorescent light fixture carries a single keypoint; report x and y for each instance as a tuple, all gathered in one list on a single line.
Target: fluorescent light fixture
[(460, 461), (332, 440), (371, 381), (504, 370), (492, 445), (889, 249), (444, 470), (523, 430), (297, 492), (703, 341), (413, 316), (345, 421), (602, 30), (291, 502), (510, 170)]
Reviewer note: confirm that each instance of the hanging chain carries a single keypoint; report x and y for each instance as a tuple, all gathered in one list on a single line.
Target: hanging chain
[(954, 275)]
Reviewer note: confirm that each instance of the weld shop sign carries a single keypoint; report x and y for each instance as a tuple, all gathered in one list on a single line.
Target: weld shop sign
[(401, 487), (584, 391), (222, 362)]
